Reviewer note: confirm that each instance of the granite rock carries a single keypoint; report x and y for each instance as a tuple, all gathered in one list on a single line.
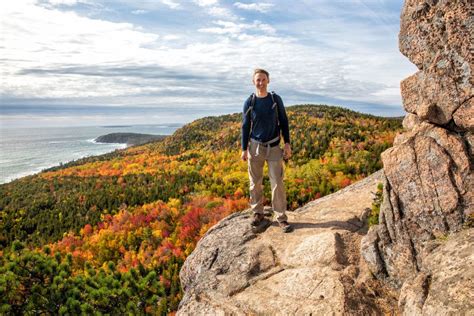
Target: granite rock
[(446, 284), (435, 35), (429, 187), (313, 270)]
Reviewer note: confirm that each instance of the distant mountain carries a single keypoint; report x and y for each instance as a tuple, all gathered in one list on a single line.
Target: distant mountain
[(128, 138)]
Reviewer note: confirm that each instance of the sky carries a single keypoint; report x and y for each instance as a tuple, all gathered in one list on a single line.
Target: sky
[(85, 62)]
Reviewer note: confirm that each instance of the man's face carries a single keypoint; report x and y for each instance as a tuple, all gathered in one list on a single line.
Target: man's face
[(260, 81)]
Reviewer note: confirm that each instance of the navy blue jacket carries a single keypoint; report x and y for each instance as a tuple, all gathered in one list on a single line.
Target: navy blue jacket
[(264, 121)]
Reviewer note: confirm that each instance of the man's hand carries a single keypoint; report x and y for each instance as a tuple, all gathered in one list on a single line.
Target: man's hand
[(244, 155), (287, 151)]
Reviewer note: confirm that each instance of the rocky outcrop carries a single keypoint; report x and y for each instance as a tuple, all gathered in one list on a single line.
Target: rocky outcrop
[(436, 36), (444, 287), (429, 184), (315, 269)]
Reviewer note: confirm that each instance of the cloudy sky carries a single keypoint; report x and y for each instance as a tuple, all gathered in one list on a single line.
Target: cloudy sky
[(93, 62)]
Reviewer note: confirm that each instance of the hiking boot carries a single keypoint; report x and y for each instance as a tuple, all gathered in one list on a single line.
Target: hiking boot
[(257, 219), (285, 226), (259, 223)]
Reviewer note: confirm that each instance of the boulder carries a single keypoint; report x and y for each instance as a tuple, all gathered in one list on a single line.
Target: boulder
[(435, 35)]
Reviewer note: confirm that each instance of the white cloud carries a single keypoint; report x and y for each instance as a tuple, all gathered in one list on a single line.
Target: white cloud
[(237, 29), (171, 37), (213, 8), (63, 2), (260, 6), (266, 28), (205, 3), (221, 12), (138, 12), (59, 3), (230, 28), (171, 4), (54, 38)]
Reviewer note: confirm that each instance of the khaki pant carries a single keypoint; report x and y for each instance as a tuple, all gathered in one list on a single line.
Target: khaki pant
[(256, 161)]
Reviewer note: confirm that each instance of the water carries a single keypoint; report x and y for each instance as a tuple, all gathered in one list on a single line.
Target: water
[(25, 151)]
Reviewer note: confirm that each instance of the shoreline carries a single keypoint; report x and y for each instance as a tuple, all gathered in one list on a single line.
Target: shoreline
[(29, 151), (40, 169)]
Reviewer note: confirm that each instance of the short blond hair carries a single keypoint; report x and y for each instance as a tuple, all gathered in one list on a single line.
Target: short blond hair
[(261, 71)]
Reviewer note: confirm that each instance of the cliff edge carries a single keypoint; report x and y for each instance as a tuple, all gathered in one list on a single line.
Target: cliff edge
[(315, 269)]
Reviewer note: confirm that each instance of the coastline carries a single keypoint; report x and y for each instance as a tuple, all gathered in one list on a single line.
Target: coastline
[(40, 169), (28, 151)]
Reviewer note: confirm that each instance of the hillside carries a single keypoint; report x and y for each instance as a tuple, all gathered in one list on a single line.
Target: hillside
[(312, 129), (140, 211)]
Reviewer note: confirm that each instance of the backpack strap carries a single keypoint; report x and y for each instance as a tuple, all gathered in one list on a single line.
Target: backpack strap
[(252, 103), (250, 109), (275, 105)]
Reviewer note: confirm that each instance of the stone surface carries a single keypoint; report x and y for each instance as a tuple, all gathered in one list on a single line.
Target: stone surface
[(438, 32), (446, 284), (428, 193), (311, 270), (469, 140), (435, 36), (464, 116), (411, 121), (429, 188), (413, 294), (430, 96)]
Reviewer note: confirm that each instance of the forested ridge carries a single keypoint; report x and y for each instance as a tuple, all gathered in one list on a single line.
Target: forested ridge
[(118, 227)]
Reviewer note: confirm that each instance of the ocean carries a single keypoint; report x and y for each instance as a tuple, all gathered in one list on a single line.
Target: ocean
[(25, 151)]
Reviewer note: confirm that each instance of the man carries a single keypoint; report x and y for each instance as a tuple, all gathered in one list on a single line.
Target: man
[(264, 119)]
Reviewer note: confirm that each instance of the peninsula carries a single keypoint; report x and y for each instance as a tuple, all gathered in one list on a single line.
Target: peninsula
[(128, 138)]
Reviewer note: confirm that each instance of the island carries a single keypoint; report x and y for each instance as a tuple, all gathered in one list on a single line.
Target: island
[(128, 138)]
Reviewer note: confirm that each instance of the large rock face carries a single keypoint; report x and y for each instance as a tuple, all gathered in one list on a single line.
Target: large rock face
[(436, 36), (314, 269), (429, 185)]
